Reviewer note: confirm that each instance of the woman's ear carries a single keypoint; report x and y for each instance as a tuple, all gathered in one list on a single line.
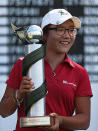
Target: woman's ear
[(44, 38)]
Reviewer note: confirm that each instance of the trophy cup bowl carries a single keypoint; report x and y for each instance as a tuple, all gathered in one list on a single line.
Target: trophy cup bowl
[(35, 116)]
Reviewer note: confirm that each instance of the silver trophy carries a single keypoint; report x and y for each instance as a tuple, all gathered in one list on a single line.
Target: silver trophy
[(33, 66)]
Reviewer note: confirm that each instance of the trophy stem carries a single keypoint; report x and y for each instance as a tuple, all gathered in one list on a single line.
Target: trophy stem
[(36, 114), (36, 72)]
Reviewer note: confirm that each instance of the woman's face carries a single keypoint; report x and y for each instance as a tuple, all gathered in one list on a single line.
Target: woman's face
[(60, 43)]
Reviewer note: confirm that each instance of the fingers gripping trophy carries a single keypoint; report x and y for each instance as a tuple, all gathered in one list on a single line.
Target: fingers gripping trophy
[(33, 66)]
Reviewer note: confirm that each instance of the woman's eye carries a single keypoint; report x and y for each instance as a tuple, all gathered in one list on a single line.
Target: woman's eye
[(60, 29)]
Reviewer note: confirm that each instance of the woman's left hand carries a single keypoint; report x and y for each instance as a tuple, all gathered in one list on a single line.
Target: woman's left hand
[(55, 125)]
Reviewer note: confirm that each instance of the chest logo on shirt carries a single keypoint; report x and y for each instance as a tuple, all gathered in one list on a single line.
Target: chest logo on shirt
[(66, 82)]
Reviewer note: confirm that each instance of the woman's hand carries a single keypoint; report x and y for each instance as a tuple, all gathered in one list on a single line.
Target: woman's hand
[(26, 86), (55, 125)]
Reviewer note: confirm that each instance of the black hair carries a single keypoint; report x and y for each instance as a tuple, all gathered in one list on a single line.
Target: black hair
[(46, 29)]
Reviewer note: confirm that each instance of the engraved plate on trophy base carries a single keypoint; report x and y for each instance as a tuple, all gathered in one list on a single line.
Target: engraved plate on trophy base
[(37, 121)]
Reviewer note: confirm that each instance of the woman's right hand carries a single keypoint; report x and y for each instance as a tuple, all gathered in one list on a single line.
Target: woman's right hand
[(26, 86)]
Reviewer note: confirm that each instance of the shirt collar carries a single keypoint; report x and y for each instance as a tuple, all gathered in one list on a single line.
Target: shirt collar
[(66, 60), (69, 61)]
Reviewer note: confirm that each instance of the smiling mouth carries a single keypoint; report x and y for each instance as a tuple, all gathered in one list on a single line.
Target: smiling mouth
[(64, 42)]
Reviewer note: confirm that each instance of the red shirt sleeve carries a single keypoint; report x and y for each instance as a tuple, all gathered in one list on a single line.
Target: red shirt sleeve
[(84, 87), (15, 75)]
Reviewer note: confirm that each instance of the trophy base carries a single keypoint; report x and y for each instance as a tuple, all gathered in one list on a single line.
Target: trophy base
[(38, 121)]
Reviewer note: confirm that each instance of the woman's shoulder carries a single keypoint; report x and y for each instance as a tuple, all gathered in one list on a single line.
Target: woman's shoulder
[(19, 62), (79, 68)]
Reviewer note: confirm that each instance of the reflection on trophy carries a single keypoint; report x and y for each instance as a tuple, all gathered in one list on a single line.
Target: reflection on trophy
[(33, 66)]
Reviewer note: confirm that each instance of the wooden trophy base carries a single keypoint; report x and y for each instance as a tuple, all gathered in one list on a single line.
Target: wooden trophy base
[(38, 121)]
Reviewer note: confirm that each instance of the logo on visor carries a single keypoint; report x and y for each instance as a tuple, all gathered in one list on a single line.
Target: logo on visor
[(62, 13)]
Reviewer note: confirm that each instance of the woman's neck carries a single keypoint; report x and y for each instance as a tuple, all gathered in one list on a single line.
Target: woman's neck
[(54, 59)]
